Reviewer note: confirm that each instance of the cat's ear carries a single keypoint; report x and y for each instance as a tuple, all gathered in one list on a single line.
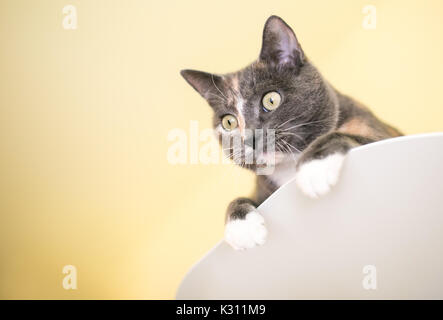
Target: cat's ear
[(280, 45), (203, 82)]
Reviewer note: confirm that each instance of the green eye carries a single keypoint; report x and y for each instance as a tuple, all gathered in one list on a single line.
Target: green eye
[(271, 101), (229, 122)]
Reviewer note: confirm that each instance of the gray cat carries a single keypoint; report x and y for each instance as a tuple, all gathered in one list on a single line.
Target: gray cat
[(315, 125)]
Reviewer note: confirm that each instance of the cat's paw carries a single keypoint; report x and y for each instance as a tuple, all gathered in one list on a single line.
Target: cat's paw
[(246, 233), (316, 177)]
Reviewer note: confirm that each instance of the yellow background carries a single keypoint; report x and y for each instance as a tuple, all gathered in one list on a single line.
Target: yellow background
[(84, 118)]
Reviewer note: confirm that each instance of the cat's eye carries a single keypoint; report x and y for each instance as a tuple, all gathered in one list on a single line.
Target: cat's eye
[(229, 122), (271, 101)]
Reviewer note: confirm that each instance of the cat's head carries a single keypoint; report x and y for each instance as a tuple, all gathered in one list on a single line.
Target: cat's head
[(280, 91)]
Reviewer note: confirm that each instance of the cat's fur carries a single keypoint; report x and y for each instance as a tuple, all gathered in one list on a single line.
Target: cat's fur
[(315, 125)]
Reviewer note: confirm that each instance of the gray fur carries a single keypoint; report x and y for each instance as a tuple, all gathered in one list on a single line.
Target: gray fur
[(320, 119)]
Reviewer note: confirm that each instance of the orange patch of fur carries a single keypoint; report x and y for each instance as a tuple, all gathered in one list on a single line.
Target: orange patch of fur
[(240, 117), (358, 127)]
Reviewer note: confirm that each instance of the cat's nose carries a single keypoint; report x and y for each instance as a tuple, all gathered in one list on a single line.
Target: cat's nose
[(254, 138), (250, 141)]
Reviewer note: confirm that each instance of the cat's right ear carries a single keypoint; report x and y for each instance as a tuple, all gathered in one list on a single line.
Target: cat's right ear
[(280, 45), (203, 82)]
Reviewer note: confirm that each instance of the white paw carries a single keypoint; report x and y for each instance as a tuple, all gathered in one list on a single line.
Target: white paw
[(316, 177), (246, 233)]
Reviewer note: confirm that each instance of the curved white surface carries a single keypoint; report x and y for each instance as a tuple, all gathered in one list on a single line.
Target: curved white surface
[(385, 211)]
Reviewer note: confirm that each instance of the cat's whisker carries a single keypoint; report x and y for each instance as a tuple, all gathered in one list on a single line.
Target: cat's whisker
[(281, 147), (290, 134), (277, 148), (217, 96), (288, 149), (291, 119), (291, 152), (284, 149), (292, 146), (233, 155), (303, 124), (213, 82)]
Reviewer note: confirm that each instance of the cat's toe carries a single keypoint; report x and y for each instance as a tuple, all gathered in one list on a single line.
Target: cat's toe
[(316, 178), (246, 233)]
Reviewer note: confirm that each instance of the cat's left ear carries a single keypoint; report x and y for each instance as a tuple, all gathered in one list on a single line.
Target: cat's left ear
[(280, 45), (203, 82)]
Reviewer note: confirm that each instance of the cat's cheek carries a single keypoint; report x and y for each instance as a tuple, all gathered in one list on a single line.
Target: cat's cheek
[(246, 233), (316, 177)]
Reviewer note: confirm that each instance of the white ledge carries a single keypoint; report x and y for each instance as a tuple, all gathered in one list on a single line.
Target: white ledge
[(386, 211)]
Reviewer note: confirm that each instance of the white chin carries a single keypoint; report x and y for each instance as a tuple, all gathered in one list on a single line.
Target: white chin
[(271, 158)]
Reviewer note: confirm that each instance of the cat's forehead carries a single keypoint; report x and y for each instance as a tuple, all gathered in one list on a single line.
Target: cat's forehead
[(256, 78), (247, 84), (249, 75)]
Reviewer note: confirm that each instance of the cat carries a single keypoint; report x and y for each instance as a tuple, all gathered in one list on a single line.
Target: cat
[(315, 125)]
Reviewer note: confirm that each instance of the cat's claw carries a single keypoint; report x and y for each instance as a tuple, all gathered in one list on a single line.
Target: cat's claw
[(316, 178), (246, 233)]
